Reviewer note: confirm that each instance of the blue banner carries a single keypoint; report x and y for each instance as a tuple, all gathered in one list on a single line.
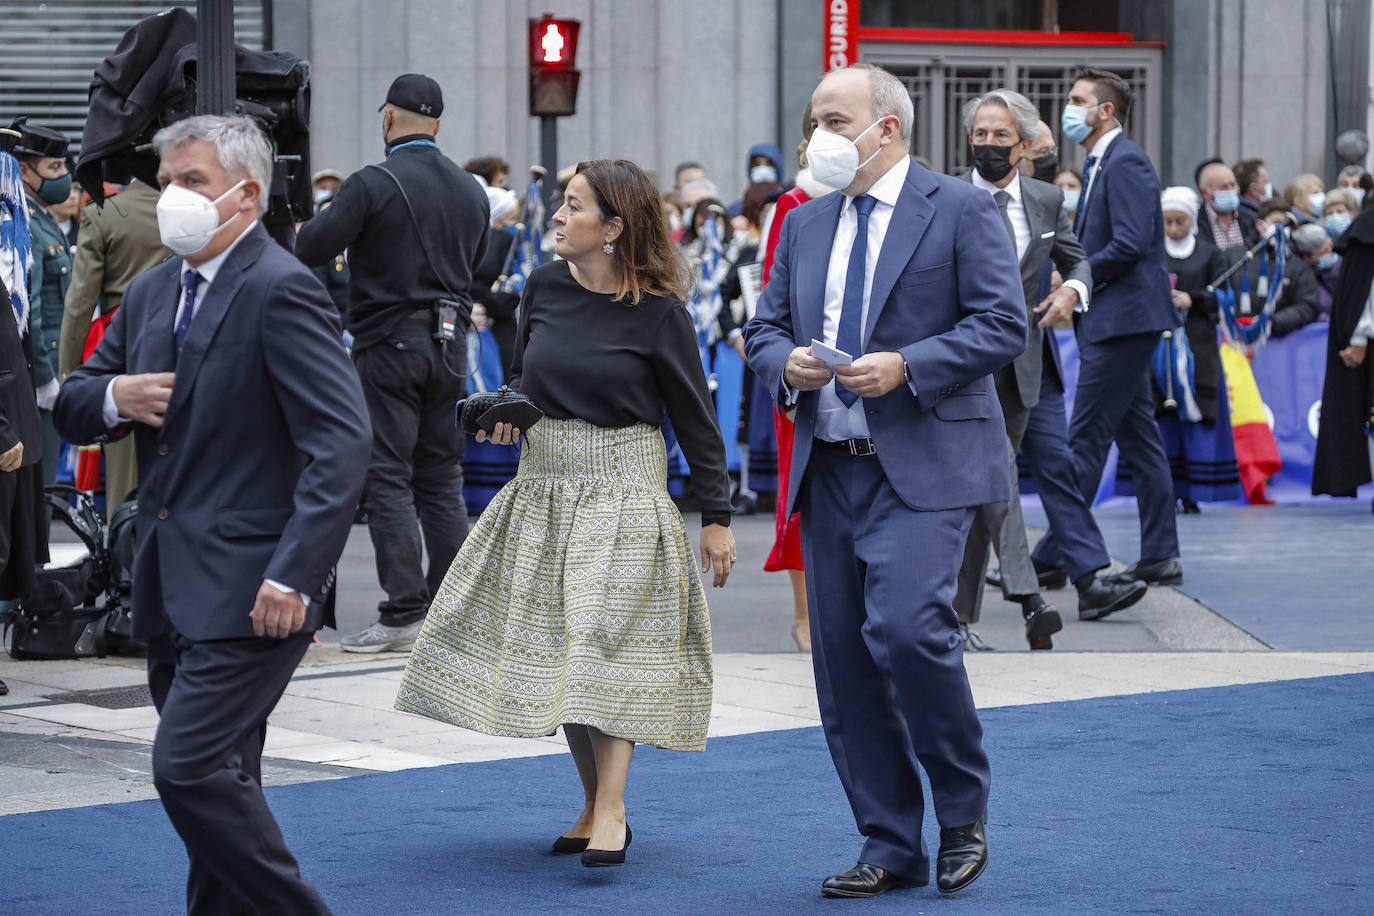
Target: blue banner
[(1289, 372)]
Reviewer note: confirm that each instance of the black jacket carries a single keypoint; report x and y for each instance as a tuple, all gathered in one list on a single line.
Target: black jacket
[(1341, 464), (1194, 274), (18, 409), (390, 274)]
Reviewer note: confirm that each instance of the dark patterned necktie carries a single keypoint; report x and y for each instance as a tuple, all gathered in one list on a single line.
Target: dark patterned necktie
[(191, 280)]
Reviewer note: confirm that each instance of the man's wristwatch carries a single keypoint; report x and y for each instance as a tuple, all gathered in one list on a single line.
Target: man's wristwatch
[(906, 370)]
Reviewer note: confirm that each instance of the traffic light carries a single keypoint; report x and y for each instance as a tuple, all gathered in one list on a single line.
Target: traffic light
[(553, 73)]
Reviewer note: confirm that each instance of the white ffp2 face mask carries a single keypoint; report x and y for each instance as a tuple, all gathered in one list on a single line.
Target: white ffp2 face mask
[(188, 221), (834, 159)]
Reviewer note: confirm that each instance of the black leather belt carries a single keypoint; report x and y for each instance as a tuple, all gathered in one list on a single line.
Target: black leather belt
[(860, 448)]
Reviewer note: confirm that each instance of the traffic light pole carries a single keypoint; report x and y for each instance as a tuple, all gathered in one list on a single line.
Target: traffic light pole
[(548, 152), (215, 87)]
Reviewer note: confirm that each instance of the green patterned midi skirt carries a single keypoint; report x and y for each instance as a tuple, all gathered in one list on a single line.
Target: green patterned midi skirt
[(576, 598)]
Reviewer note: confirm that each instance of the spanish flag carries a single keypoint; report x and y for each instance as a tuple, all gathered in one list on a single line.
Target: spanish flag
[(1256, 451)]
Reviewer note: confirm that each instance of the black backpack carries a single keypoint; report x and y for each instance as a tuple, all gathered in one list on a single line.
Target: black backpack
[(60, 618), (119, 552)]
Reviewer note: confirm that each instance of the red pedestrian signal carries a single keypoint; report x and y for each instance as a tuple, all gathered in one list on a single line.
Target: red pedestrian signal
[(553, 74), (553, 43)]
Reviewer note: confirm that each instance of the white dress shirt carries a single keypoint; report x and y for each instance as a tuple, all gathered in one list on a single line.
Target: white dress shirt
[(1020, 224), (208, 271), (1099, 150), (834, 421)]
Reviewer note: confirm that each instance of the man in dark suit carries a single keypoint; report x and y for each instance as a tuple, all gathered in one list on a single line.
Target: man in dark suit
[(1122, 229), (913, 275), (252, 438), (1002, 125)]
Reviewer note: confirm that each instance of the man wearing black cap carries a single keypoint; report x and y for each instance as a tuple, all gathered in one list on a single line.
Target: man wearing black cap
[(42, 155), (414, 227)]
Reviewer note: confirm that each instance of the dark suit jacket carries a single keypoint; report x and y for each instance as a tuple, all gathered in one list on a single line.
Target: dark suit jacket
[(944, 294), (18, 410), (259, 462), (1051, 241), (1122, 230)]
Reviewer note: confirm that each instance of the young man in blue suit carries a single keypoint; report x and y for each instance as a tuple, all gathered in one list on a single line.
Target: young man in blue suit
[(1122, 229), (252, 436), (913, 276)]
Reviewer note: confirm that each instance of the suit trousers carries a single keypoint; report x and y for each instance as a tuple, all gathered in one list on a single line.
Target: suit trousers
[(1114, 402), (1074, 541), (213, 698), (999, 524), (889, 662), (415, 474)]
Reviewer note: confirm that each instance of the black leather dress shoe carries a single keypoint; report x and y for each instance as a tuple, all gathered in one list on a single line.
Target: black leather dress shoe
[(864, 880), (4, 688), (1049, 579), (963, 856), (972, 641), (1105, 597), (1042, 622), (1154, 572)]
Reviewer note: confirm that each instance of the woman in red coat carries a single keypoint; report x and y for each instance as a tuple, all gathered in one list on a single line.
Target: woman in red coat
[(786, 553)]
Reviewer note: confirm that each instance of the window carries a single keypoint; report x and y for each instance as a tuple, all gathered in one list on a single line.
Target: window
[(52, 50)]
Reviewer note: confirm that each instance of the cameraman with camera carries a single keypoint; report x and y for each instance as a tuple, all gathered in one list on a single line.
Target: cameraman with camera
[(414, 226)]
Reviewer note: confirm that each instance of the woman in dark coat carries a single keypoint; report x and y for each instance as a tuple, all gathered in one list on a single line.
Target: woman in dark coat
[(1343, 444), (23, 526)]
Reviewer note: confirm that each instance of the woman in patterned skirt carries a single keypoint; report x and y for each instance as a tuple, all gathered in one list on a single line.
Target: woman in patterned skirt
[(576, 600)]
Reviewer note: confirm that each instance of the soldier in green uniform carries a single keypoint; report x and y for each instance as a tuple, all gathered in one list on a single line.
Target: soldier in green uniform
[(42, 155)]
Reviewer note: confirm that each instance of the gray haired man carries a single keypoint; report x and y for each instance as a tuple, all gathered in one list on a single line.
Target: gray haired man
[(1002, 126), (227, 366)]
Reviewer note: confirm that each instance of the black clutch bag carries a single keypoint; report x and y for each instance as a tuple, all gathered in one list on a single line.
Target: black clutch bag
[(483, 411)]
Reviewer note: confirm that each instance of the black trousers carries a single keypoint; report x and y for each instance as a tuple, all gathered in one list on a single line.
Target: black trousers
[(415, 476), (214, 698)]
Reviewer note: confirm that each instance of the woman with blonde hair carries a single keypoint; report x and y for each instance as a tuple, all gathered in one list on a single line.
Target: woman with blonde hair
[(576, 600), (1306, 196)]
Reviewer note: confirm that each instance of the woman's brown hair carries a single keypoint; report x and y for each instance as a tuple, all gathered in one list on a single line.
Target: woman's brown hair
[(646, 260)]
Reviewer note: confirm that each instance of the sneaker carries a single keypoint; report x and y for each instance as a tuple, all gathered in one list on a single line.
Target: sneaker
[(381, 638)]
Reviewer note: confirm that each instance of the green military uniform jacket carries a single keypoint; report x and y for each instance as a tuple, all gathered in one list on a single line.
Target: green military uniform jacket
[(117, 242), (49, 278)]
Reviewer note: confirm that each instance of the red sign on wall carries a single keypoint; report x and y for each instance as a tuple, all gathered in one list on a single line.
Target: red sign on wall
[(841, 33)]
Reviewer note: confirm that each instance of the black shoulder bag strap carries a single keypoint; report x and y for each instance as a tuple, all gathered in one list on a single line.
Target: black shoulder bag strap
[(424, 243)]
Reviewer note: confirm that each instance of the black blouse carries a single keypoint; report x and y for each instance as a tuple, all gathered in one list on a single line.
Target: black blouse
[(581, 355)]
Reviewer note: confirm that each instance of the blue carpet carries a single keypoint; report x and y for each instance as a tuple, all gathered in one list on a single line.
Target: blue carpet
[(1229, 800), (1287, 575)]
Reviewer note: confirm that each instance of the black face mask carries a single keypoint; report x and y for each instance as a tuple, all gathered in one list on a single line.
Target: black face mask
[(1046, 167), (992, 162)]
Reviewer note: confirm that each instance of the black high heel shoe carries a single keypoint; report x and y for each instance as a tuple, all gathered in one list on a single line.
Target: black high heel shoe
[(600, 858), (567, 845)]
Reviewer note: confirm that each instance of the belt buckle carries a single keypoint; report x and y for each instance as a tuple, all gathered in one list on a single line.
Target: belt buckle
[(861, 448)]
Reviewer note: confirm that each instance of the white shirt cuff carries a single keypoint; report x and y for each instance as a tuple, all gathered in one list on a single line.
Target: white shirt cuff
[(284, 589), (110, 413), (1078, 287)]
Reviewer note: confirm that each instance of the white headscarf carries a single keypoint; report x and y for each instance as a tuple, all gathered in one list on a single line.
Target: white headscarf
[(502, 201), (1180, 200)]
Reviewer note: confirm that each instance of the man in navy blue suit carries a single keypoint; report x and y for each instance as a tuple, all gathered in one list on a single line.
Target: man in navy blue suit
[(1122, 229), (252, 435), (913, 276)]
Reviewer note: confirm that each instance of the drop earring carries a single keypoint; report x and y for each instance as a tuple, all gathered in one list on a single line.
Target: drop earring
[(608, 248)]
